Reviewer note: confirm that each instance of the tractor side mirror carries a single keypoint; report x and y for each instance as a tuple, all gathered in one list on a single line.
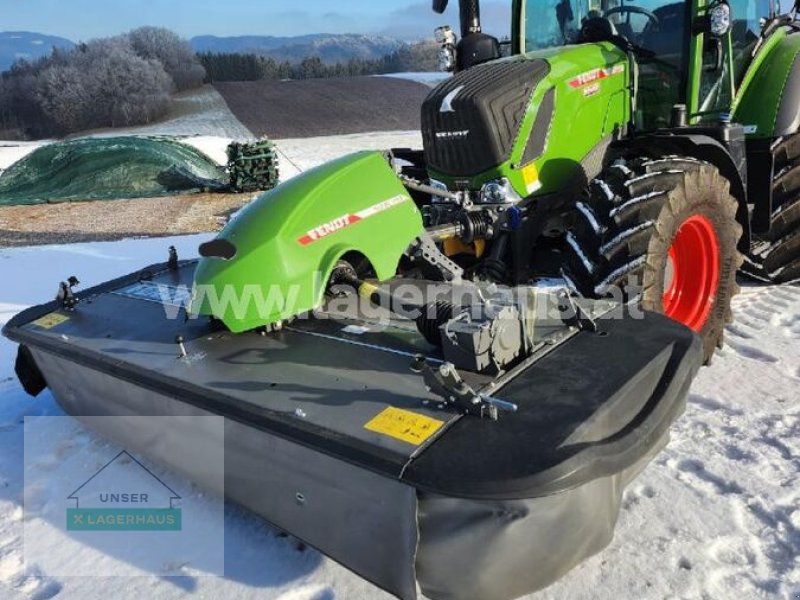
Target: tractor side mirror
[(440, 6), (713, 54), (719, 16), (717, 20), (714, 25)]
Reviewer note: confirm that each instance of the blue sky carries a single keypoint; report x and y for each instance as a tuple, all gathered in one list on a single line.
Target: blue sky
[(85, 19)]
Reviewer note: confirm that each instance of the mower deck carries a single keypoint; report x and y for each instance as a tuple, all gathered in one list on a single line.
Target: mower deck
[(458, 506)]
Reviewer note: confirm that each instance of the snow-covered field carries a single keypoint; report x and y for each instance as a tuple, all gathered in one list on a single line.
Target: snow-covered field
[(301, 154), (200, 117), (204, 121), (200, 112), (431, 79), (716, 516)]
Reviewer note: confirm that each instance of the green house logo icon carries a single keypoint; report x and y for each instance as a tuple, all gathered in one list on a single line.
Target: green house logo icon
[(124, 495)]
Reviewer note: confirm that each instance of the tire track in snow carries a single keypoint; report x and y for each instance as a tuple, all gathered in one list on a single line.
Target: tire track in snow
[(30, 583), (309, 592), (757, 309), (740, 441)]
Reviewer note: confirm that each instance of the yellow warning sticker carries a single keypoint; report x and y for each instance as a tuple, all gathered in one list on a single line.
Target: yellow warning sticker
[(530, 175), (51, 320), (404, 425)]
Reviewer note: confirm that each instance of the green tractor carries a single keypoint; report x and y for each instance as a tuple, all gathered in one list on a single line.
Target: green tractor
[(645, 149)]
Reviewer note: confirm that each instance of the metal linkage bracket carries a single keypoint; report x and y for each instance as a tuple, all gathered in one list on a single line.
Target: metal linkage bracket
[(425, 249), (66, 297), (574, 315), (172, 262), (446, 382)]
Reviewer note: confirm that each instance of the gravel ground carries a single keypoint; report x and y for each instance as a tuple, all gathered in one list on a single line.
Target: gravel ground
[(322, 107), (107, 221)]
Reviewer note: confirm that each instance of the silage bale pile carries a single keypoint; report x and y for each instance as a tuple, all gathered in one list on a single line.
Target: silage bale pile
[(109, 169), (253, 167), (133, 167)]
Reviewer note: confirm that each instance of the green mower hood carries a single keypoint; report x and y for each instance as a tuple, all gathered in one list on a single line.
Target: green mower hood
[(273, 261)]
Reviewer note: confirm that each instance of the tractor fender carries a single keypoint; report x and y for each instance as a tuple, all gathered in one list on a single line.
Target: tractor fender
[(271, 263), (768, 101), (706, 148)]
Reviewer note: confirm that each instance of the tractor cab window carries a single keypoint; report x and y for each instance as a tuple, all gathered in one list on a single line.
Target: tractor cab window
[(655, 25), (721, 72), (551, 23), (657, 28)]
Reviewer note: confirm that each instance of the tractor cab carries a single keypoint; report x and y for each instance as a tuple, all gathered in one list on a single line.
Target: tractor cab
[(693, 53)]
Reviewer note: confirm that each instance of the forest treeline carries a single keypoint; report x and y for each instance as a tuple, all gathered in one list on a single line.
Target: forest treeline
[(421, 56)]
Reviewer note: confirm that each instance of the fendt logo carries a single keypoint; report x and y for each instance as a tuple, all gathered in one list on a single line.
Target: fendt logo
[(452, 135), (336, 225), (595, 75), (327, 229)]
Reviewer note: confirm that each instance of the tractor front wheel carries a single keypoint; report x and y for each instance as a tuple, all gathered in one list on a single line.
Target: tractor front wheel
[(664, 230)]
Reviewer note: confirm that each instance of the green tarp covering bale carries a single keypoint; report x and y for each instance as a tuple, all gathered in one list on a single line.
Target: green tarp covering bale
[(108, 169)]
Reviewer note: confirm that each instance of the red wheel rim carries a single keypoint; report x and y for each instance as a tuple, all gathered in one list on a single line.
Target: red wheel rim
[(692, 274)]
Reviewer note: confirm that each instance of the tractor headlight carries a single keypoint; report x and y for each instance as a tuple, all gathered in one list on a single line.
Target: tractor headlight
[(719, 19), (447, 59), (499, 191), (445, 35), (447, 53)]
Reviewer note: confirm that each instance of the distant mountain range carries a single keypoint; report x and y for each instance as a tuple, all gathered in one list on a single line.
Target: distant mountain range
[(330, 48), (25, 44)]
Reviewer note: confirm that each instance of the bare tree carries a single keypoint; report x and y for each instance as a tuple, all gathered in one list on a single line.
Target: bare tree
[(173, 52), (104, 83)]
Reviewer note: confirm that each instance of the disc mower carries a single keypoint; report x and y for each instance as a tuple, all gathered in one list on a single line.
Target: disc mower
[(442, 366)]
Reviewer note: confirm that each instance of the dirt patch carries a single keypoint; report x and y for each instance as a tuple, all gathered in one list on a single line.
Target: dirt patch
[(119, 219), (321, 107)]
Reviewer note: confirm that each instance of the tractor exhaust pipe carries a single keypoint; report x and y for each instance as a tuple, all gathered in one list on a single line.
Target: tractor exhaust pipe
[(470, 15)]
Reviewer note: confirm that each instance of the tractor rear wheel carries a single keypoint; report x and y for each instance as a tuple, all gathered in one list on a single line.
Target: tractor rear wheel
[(664, 230), (775, 257)]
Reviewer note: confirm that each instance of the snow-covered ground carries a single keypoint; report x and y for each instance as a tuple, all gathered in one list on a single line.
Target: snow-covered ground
[(197, 112), (11, 152), (716, 516), (298, 155), (431, 79)]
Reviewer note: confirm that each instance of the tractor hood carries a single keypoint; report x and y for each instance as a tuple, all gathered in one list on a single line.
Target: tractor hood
[(509, 117), (273, 261), (470, 122)]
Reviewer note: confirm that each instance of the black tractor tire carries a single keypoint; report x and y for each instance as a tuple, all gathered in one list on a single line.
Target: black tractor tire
[(775, 256), (629, 219)]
